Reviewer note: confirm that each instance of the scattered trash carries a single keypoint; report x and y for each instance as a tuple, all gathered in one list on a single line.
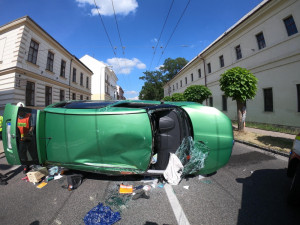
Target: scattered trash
[(41, 185), (25, 178), (147, 188), (186, 187), (126, 189), (251, 172), (36, 176), (140, 194), (57, 177), (244, 170), (53, 170), (200, 177), (48, 178), (206, 181), (74, 181), (160, 185), (173, 171), (117, 201), (138, 187), (101, 215)]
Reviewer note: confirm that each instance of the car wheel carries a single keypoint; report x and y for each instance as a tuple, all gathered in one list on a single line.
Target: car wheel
[(294, 194)]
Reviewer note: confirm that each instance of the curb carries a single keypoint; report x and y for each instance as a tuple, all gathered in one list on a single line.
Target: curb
[(265, 149)]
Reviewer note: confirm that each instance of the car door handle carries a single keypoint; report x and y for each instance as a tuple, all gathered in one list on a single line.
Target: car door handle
[(46, 138)]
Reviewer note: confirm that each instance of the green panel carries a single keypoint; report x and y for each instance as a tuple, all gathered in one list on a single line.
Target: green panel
[(213, 128), (56, 146), (10, 117), (99, 142), (41, 138)]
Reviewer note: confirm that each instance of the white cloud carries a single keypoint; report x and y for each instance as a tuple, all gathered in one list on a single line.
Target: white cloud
[(125, 66), (122, 7), (158, 67), (134, 98), (131, 92)]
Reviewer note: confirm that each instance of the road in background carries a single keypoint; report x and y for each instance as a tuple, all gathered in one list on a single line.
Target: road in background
[(250, 189)]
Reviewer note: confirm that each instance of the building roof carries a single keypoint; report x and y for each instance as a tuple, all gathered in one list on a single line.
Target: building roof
[(28, 18)]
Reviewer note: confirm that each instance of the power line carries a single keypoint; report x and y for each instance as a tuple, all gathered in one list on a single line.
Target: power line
[(173, 31), (107, 33), (161, 34), (112, 2)]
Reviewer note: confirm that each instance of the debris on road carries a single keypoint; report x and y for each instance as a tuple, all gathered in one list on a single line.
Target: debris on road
[(41, 185), (186, 187), (36, 176), (101, 215), (141, 194), (126, 189), (206, 181)]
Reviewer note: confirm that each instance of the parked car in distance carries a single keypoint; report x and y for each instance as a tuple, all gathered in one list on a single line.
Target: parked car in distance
[(294, 172), (114, 137)]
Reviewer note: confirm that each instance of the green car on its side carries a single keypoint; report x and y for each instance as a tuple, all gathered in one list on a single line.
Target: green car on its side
[(117, 137)]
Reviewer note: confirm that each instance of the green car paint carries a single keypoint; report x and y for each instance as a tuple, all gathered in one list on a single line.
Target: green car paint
[(115, 138)]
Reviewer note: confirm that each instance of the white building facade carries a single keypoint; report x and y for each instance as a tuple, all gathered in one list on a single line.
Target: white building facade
[(266, 41), (104, 80), (36, 69)]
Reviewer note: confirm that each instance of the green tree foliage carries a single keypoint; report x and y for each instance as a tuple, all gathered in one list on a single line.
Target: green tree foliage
[(167, 98), (153, 86), (172, 66), (239, 84), (196, 93), (154, 80), (178, 97)]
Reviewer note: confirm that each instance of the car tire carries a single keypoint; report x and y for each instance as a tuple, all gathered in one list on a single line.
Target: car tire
[(294, 194)]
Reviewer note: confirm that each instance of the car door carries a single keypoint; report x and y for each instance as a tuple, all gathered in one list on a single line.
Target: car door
[(20, 135)]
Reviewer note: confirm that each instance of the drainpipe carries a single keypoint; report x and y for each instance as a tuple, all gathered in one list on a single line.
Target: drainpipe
[(70, 78), (205, 77)]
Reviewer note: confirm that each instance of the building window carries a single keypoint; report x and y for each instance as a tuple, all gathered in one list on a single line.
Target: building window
[(298, 95), (173, 87), (87, 82), (176, 85), (81, 79), (211, 101), (81, 97), (29, 94), (224, 103), (63, 68), (260, 40), (61, 95), (74, 75), (209, 67), (221, 58), (50, 60), (87, 98), (290, 25), (192, 77), (73, 96), (33, 52), (48, 96), (199, 73), (181, 83), (238, 52), (185, 80), (268, 100)]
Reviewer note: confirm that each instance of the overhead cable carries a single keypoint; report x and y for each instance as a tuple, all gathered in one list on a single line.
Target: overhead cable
[(161, 34), (112, 2), (173, 31)]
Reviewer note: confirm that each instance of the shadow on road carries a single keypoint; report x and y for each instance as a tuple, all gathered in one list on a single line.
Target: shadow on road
[(264, 199), (276, 141)]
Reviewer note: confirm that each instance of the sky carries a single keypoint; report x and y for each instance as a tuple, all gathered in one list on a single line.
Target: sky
[(136, 36)]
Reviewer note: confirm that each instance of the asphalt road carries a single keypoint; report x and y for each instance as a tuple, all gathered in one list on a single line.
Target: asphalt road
[(251, 189)]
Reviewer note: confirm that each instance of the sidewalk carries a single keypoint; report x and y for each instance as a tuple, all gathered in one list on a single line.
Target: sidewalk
[(1, 147), (270, 133)]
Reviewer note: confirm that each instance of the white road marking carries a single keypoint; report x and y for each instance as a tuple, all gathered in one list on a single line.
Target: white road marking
[(177, 210)]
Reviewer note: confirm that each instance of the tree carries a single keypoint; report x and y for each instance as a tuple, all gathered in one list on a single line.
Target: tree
[(172, 66), (178, 97), (196, 93), (239, 84), (167, 99), (153, 86)]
